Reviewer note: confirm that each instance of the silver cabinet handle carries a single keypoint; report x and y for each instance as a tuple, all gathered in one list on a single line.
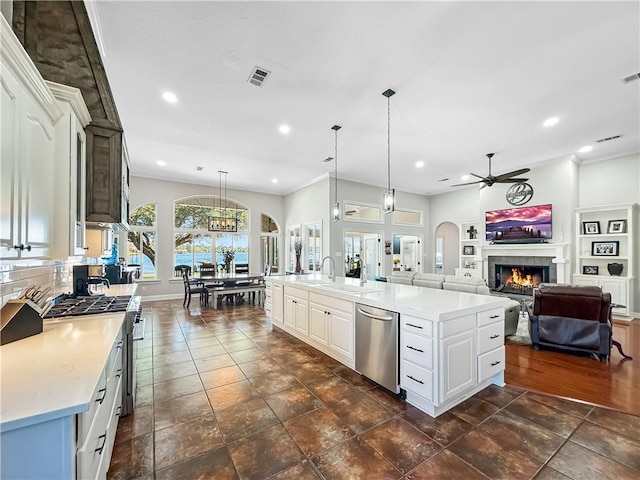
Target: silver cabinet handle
[(414, 326), (416, 349), (493, 364), (415, 379), (494, 336)]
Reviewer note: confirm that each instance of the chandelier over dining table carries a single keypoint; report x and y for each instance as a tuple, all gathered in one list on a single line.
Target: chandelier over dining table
[(225, 219)]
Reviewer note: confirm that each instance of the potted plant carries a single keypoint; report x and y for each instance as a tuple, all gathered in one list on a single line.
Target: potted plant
[(396, 263), (227, 257), (297, 246)]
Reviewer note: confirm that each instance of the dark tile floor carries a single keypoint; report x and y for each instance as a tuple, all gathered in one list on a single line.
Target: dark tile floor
[(223, 395)]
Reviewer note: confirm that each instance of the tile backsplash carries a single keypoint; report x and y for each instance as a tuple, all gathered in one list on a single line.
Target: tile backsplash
[(17, 276)]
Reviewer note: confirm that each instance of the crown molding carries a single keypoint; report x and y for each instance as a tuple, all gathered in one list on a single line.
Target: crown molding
[(73, 96)]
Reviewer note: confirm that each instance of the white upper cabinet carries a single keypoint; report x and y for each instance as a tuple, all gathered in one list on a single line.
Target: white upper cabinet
[(70, 173), (29, 113)]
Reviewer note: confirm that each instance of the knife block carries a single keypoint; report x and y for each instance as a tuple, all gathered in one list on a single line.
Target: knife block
[(19, 319)]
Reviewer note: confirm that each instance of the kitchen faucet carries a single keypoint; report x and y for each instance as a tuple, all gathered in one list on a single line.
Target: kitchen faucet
[(332, 267), (363, 275)]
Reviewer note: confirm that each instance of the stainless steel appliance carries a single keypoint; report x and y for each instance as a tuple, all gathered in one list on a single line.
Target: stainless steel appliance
[(133, 329), (84, 275), (377, 345)]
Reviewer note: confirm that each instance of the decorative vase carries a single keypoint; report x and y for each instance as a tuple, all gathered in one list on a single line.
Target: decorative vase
[(227, 267), (615, 268), (298, 266)]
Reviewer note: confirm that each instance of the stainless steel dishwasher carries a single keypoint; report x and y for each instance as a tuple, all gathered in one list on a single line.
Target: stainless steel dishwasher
[(377, 345)]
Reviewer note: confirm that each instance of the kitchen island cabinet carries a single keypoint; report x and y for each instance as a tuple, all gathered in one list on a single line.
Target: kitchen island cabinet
[(451, 343), (61, 397)]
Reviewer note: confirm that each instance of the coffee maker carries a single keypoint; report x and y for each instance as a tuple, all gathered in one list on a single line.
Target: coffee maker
[(83, 276)]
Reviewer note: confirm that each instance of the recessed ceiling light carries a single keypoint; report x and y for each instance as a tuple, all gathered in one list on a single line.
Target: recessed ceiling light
[(170, 97), (274, 180), (284, 129), (464, 178), (162, 163), (550, 122), (586, 149), (420, 164)]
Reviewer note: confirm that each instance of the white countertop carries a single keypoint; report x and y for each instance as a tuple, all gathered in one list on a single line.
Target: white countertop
[(430, 303), (54, 374)]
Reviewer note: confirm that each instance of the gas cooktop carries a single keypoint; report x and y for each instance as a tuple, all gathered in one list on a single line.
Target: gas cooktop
[(70, 306)]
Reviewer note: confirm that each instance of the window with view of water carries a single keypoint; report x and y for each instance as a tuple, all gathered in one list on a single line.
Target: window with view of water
[(195, 246), (141, 240)]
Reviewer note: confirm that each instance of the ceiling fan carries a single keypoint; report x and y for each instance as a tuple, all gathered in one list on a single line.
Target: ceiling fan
[(491, 179)]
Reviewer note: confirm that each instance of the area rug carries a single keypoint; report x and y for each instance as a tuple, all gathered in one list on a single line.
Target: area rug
[(522, 335)]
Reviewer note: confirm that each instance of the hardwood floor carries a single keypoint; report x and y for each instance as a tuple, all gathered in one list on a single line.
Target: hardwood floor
[(614, 384)]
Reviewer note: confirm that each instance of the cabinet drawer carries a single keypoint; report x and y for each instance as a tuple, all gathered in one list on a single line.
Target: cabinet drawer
[(416, 379), (85, 419), (490, 316), (457, 325), (114, 362), (296, 292), (417, 325), (417, 349), (490, 337), (332, 303), (490, 363)]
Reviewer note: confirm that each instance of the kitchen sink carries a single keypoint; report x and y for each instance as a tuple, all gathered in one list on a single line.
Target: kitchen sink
[(349, 288)]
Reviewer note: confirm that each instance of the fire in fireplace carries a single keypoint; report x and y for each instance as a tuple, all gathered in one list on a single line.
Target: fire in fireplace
[(520, 279)]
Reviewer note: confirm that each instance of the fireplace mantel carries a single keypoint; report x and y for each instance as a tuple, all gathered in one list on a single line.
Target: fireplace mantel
[(558, 251)]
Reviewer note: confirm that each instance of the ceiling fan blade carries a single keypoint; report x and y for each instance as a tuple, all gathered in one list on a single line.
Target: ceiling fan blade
[(513, 174), (478, 176), (512, 180), (463, 184)]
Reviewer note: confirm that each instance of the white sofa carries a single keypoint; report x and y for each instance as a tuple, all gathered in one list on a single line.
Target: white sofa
[(459, 284)]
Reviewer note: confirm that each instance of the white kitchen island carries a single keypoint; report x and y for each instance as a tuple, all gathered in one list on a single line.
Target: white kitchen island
[(60, 392), (451, 344)]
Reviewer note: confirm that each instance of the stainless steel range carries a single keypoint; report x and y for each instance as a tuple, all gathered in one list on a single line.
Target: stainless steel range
[(133, 329)]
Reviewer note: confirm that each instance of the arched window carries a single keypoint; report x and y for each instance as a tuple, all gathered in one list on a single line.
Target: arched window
[(142, 240), (195, 245)]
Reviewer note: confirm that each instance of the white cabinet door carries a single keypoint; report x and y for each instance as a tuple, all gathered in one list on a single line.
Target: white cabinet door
[(277, 309), (617, 288), (342, 333), (302, 317), (9, 91), (318, 323), (457, 364), (290, 311)]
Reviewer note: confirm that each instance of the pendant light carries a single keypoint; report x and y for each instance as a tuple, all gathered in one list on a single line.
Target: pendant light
[(389, 203), (336, 205), (223, 221)]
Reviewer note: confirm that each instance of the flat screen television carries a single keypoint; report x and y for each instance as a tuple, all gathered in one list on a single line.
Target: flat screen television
[(519, 224)]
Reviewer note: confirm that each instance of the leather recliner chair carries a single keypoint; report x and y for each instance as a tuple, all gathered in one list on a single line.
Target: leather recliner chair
[(572, 317)]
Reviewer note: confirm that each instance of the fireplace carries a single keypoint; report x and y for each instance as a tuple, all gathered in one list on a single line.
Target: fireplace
[(519, 279)]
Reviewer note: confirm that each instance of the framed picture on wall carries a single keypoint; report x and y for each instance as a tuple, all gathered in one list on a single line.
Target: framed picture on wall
[(468, 250)]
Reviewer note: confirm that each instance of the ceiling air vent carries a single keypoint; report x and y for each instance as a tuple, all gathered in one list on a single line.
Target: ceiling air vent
[(631, 78), (258, 76), (199, 169), (608, 139)]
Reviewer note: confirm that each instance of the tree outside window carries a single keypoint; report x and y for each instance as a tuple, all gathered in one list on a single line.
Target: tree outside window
[(141, 240)]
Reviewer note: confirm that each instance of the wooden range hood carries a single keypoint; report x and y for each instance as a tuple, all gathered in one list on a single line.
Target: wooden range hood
[(59, 39)]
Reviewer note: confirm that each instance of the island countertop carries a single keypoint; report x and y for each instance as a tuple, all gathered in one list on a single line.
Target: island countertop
[(54, 374), (430, 303)]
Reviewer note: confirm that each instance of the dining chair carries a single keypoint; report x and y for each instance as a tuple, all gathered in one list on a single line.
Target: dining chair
[(192, 287), (242, 268)]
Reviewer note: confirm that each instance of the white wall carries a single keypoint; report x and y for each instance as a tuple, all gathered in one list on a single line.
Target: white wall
[(610, 182), (164, 193), (362, 194)]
